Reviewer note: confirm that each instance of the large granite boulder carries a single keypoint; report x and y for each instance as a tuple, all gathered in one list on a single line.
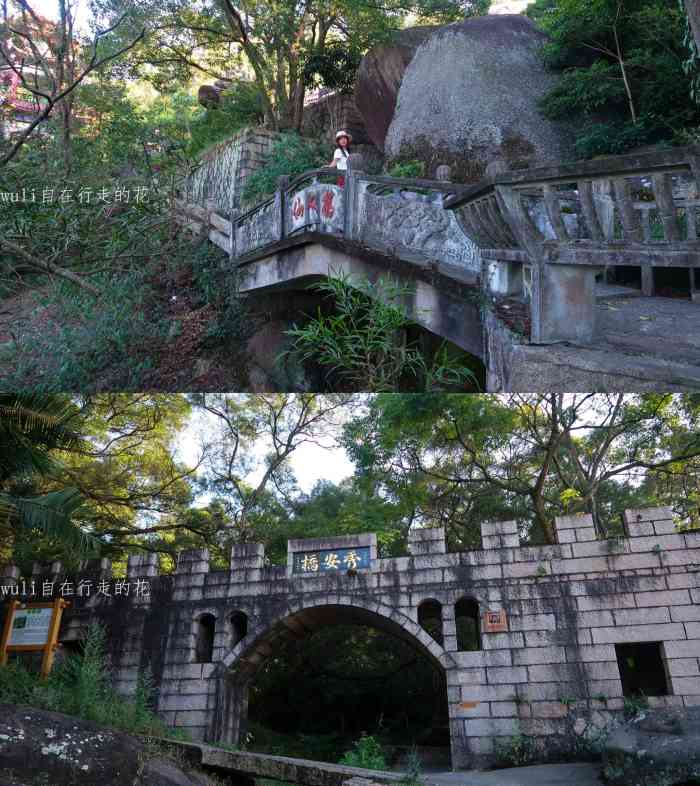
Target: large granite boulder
[(379, 79), (41, 747), (469, 98), (657, 748)]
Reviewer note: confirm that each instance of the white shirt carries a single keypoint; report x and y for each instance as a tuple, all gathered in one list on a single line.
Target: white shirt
[(340, 158)]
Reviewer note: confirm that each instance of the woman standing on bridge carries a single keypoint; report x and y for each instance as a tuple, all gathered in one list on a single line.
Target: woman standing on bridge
[(340, 156)]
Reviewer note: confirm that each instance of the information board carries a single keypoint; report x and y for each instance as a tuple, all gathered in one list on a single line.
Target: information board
[(31, 626)]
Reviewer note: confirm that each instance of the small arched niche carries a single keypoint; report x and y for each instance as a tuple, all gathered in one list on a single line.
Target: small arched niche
[(467, 624), (204, 638), (239, 627), (430, 619)]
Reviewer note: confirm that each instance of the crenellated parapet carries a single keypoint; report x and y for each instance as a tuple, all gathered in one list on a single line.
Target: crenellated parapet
[(513, 627)]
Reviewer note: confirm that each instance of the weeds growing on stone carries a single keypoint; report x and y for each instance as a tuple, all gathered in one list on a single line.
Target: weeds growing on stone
[(80, 686)]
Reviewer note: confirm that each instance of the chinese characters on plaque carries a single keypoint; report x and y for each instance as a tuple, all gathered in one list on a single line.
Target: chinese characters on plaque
[(325, 560)]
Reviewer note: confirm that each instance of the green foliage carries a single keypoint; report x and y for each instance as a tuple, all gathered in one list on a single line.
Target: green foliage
[(362, 342), (351, 680), (409, 169), (334, 68), (634, 705), (691, 65), (240, 105), (599, 46), (118, 340), (80, 686), (438, 453), (32, 426), (366, 753), (515, 751), (291, 155)]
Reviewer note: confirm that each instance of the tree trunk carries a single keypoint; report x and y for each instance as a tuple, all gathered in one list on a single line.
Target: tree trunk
[(621, 61), (541, 518)]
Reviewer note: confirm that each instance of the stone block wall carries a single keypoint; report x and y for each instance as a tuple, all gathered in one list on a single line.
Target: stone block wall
[(550, 671), (226, 167)]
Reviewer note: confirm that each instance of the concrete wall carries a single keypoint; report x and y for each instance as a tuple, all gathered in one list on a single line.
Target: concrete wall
[(552, 674)]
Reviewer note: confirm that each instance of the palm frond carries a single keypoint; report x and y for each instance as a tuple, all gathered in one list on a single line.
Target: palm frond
[(31, 425), (51, 516)]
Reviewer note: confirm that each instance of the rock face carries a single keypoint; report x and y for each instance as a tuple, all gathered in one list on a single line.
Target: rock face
[(656, 747), (379, 79), (41, 747), (469, 98)]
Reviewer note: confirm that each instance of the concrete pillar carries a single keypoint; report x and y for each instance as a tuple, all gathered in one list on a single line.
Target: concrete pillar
[(426, 541), (564, 303), (247, 555), (142, 566), (193, 561)]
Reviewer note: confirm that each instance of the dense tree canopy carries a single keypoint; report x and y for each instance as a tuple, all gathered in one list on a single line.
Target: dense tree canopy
[(435, 460), (282, 45), (622, 65)]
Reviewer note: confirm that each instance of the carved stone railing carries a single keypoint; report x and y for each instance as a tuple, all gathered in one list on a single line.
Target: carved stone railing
[(407, 219), (545, 233), (401, 217)]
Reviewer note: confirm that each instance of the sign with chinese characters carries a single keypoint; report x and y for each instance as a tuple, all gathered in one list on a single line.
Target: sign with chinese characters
[(357, 558), (495, 622), (318, 204), (31, 626)]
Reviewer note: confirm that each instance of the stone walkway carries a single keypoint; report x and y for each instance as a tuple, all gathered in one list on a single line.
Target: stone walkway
[(541, 775), (664, 327)]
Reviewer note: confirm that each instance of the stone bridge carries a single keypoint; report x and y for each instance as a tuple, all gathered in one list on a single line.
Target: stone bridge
[(528, 639), (509, 270)]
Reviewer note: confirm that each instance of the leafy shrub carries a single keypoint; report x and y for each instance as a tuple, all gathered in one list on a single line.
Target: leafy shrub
[(239, 106), (80, 686), (366, 753), (409, 169), (291, 155), (515, 751), (633, 705), (362, 343)]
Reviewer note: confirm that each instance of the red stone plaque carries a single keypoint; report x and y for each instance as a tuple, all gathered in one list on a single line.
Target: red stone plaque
[(495, 622)]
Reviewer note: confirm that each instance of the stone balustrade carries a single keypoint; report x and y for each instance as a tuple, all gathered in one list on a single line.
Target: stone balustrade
[(545, 233)]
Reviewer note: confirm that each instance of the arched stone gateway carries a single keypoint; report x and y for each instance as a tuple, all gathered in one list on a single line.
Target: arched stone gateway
[(544, 641), (238, 668)]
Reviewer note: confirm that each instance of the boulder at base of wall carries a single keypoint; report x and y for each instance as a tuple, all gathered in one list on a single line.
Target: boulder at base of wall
[(470, 97), (42, 747), (379, 79), (656, 747)]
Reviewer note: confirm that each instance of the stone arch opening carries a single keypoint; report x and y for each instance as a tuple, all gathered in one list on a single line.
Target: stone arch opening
[(205, 628), (430, 619), (238, 622), (247, 664), (467, 624)]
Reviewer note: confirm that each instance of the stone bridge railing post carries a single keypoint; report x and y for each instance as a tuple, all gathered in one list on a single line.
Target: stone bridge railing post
[(354, 171), (562, 306), (281, 205)]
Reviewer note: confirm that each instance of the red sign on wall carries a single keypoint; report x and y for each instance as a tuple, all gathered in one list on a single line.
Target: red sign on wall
[(495, 622)]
